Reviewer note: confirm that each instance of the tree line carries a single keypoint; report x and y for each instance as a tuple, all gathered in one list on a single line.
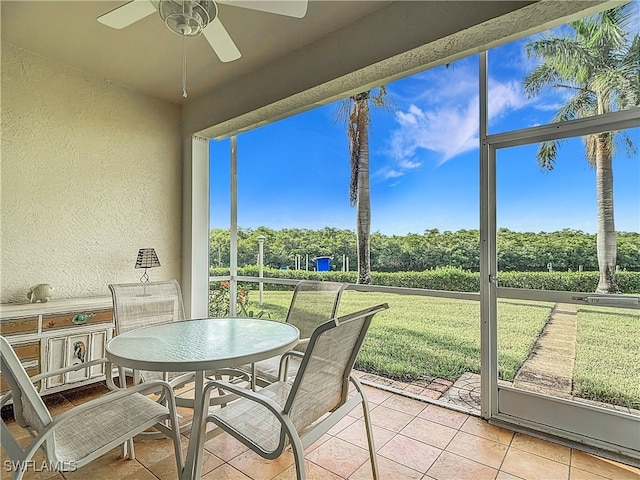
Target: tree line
[(565, 250)]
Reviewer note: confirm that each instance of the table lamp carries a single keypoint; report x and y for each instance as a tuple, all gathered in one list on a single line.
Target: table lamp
[(147, 258)]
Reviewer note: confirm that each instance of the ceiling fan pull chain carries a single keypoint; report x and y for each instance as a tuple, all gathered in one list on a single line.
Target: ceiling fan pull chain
[(184, 66)]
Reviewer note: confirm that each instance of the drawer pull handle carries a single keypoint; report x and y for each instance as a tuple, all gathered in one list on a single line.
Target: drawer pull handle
[(82, 318)]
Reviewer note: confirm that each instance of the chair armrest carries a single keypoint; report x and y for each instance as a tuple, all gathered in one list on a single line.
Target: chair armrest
[(284, 363), (292, 353), (70, 368), (60, 371)]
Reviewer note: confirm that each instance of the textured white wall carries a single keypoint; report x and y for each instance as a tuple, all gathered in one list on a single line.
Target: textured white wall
[(90, 173)]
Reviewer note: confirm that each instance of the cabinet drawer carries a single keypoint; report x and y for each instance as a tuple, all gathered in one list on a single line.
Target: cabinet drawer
[(29, 355), (52, 322), (28, 351), (14, 326)]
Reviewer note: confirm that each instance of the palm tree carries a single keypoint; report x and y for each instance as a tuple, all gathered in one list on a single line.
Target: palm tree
[(355, 110), (599, 66)]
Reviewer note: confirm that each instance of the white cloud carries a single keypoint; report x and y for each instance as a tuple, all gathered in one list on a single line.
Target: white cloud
[(548, 107), (393, 174), (447, 130), (504, 97), (444, 117), (408, 164)]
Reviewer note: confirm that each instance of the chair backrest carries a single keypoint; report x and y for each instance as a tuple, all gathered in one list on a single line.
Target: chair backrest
[(313, 303), (322, 382), (28, 408), (137, 305)]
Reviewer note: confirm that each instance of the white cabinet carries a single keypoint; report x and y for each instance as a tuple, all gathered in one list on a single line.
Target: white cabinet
[(74, 349), (57, 334)]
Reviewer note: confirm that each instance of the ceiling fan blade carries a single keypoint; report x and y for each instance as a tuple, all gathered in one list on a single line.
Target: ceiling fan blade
[(290, 8), (221, 41), (127, 14)]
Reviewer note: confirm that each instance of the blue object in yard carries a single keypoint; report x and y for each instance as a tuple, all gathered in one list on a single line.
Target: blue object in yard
[(323, 264)]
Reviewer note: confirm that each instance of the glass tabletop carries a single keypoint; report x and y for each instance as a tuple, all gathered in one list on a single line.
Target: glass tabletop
[(201, 344)]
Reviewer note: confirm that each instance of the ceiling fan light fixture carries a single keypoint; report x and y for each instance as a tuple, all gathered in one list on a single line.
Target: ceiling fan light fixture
[(187, 17), (190, 18)]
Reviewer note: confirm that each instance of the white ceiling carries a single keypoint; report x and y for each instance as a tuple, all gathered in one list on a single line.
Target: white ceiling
[(147, 56), (286, 64)]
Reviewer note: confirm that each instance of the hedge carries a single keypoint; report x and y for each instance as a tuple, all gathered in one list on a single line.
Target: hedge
[(453, 279)]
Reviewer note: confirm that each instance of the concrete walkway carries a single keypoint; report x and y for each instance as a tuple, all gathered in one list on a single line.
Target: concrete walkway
[(549, 367)]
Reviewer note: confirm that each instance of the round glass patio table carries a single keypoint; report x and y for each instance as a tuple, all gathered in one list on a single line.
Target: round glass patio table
[(201, 345)]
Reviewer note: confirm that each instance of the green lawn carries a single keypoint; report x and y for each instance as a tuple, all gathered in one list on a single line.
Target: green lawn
[(607, 365), (423, 336), (439, 337)]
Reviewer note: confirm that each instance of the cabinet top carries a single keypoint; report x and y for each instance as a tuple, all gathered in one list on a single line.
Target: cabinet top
[(8, 310)]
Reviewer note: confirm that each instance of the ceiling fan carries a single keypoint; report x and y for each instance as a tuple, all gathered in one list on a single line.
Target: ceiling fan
[(190, 18)]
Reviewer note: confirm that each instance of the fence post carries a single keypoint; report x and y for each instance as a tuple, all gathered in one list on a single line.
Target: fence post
[(260, 264)]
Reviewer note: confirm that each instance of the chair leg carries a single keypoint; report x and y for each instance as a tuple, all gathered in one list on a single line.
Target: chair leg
[(127, 450), (253, 377), (177, 445), (298, 456), (369, 429)]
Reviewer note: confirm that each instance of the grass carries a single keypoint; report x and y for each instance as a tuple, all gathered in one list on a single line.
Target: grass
[(607, 365), (435, 337), (440, 337)]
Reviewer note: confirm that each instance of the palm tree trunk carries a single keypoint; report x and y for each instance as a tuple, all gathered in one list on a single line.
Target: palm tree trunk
[(363, 205), (606, 238)]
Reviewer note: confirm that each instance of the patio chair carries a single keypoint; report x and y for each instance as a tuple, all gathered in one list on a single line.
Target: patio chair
[(85, 432), (137, 305), (313, 303), (297, 414)]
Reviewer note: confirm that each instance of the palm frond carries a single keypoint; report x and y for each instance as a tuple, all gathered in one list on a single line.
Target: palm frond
[(597, 61), (341, 114), (625, 142), (379, 97), (610, 28), (618, 88), (541, 76), (567, 56), (629, 68), (582, 104), (547, 155)]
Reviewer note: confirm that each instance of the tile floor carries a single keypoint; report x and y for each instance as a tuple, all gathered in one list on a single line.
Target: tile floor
[(414, 440)]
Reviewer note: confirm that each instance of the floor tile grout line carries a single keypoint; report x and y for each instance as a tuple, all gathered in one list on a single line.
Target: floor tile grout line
[(509, 447)]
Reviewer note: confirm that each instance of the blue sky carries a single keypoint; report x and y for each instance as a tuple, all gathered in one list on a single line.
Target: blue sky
[(423, 161)]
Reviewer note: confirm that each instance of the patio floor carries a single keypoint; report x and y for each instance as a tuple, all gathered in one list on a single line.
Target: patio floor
[(414, 440)]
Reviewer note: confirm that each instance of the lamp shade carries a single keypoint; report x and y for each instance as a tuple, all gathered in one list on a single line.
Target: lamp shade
[(147, 258)]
